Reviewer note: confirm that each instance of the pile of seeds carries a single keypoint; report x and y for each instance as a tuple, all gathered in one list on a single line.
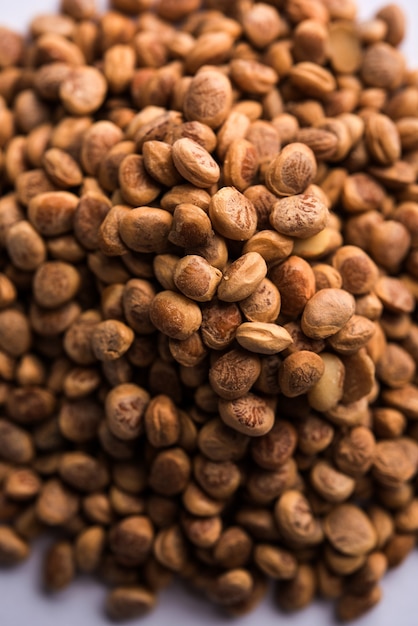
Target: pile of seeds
[(209, 272)]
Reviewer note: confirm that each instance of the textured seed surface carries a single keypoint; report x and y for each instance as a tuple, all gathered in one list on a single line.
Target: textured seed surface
[(208, 288)]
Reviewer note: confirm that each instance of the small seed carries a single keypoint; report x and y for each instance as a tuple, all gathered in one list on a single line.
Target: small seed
[(263, 338), (129, 602), (292, 171), (13, 549), (195, 163), (242, 277), (327, 312), (249, 415)]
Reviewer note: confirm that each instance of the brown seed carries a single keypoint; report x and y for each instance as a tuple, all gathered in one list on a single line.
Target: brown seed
[(196, 278), (275, 448), (322, 142), (299, 216), (234, 373), (396, 367), (137, 187), (240, 165), (232, 587), (170, 472), (62, 169), (191, 226), (263, 305), (161, 421), (359, 273), (56, 505), (272, 246), (349, 530), (249, 415), (111, 339), (332, 485), (158, 161), (209, 98), (261, 24), (394, 295), (359, 376), (15, 333), (297, 593), (292, 171), (79, 420), (16, 445), (295, 281), (175, 315), (219, 323), (220, 443), (382, 66), (129, 602), (312, 79), (25, 247), (295, 519), (170, 548), (13, 549), (131, 540), (242, 277), (83, 472), (22, 484), (233, 548), (327, 312), (232, 214), (145, 229), (88, 548), (361, 193), (83, 91), (59, 566), (55, 283), (382, 139), (189, 352), (299, 372), (52, 213), (125, 408), (195, 163), (277, 563), (253, 77), (77, 340), (395, 462), (356, 334), (355, 451)]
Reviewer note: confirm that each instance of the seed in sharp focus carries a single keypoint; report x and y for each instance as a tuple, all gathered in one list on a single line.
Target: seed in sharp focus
[(249, 414)]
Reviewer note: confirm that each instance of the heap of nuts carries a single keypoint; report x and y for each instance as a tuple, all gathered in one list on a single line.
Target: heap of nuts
[(208, 281)]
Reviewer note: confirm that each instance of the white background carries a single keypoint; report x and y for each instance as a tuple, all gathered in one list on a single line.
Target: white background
[(22, 601)]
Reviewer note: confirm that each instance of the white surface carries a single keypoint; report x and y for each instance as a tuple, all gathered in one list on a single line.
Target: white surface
[(21, 599)]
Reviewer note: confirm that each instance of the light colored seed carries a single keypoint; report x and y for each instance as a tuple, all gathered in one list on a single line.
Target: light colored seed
[(292, 171), (299, 216), (328, 391), (242, 277), (195, 163), (327, 312), (208, 98), (232, 214), (83, 91), (263, 338)]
